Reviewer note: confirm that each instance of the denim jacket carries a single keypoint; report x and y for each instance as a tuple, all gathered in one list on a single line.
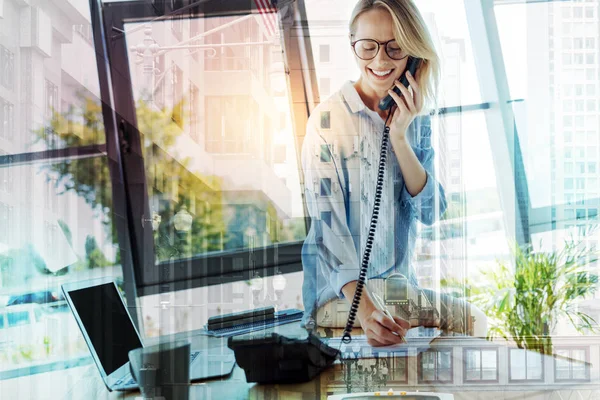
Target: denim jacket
[(340, 160)]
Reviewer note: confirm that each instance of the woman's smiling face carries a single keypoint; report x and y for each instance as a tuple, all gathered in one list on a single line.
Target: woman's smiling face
[(377, 75)]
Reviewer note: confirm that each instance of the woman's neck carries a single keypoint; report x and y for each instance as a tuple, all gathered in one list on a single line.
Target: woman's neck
[(370, 98)]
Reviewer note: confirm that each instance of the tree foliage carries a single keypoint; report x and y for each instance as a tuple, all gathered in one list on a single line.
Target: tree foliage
[(171, 185)]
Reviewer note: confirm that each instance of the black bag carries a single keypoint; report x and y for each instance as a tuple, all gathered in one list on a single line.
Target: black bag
[(276, 359)]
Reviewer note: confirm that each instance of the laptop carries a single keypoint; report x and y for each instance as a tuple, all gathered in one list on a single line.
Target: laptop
[(110, 334)]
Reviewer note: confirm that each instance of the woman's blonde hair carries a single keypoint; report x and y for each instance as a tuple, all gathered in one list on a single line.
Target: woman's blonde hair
[(412, 35)]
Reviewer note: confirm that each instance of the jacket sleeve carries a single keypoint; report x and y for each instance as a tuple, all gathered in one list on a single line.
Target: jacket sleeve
[(325, 199), (424, 202)]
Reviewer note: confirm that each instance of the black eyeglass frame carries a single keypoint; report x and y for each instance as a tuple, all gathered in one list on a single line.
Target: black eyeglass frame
[(379, 44)]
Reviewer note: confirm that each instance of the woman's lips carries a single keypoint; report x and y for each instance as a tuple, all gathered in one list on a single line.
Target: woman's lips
[(380, 78)]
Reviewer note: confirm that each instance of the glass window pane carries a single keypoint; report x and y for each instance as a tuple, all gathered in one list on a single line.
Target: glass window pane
[(444, 366), (534, 365), (579, 366), (473, 367), (489, 364), (563, 364), (16, 318), (55, 217), (428, 365), (518, 367), (64, 233), (220, 184), (538, 73)]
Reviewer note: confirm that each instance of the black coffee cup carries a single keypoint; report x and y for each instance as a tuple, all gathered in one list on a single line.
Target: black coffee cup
[(162, 371)]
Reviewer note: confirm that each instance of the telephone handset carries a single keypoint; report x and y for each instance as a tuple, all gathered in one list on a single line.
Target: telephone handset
[(385, 104), (412, 65)]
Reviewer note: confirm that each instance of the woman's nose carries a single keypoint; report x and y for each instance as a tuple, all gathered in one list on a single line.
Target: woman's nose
[(382, 55)]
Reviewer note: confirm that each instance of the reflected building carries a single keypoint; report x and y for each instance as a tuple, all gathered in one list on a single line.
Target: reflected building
[(465, 366)]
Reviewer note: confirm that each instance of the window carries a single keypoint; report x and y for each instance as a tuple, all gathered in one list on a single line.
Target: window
[(194, 111), (590, 43), (326, 217), (525, 365), (325, 187), (325, 87), (326, 152), (567, 121), (7, 67), (17, 318), (481, 365), (177, 22), (5, 221), (571, 364), (324, 53), (85, 31), (569, 198), (177, 95), (568, 153), (592, 167), (568, 168), (569, 214), (589, 12), (399, 370), (228, 132), (568, 137), (590, 59), (590, 74), (435, 366), (7, 120), (568, 183), (325, 119), (51, 107)]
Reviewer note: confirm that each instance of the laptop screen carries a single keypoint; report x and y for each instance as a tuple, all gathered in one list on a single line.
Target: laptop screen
[(107, 324)]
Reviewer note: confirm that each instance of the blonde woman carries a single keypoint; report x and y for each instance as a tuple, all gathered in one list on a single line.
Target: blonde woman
[(340, 158)]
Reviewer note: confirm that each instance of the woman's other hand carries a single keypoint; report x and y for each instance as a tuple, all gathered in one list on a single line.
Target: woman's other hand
[(378, 327), (382, 330)]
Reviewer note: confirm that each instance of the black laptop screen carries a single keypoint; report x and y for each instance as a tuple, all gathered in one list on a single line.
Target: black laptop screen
[(107, 324)]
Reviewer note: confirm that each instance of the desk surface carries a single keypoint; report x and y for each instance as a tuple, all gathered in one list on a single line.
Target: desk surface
[(404, 373)]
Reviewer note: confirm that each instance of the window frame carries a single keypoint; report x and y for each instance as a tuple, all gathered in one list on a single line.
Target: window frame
[(526, 380), (436, 351), (204, 269), (480, 349), (586, 363)]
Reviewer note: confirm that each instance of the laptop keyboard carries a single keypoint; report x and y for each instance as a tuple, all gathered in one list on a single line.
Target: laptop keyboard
[(128, 380)]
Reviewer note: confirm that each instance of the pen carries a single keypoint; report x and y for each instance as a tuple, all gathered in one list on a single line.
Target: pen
[(379, 303)]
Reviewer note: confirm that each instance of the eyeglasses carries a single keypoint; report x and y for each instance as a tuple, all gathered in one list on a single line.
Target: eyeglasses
[(367, 49)]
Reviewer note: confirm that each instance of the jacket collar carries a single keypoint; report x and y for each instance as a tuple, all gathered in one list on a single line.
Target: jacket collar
[(352, 98)]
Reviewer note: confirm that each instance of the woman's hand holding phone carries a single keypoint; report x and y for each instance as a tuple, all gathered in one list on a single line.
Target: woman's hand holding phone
[(406, 107)]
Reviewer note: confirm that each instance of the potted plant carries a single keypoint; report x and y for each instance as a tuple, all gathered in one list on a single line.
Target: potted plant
[(524, 302)]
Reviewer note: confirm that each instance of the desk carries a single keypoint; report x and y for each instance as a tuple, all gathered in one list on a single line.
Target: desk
[(403, 373)]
